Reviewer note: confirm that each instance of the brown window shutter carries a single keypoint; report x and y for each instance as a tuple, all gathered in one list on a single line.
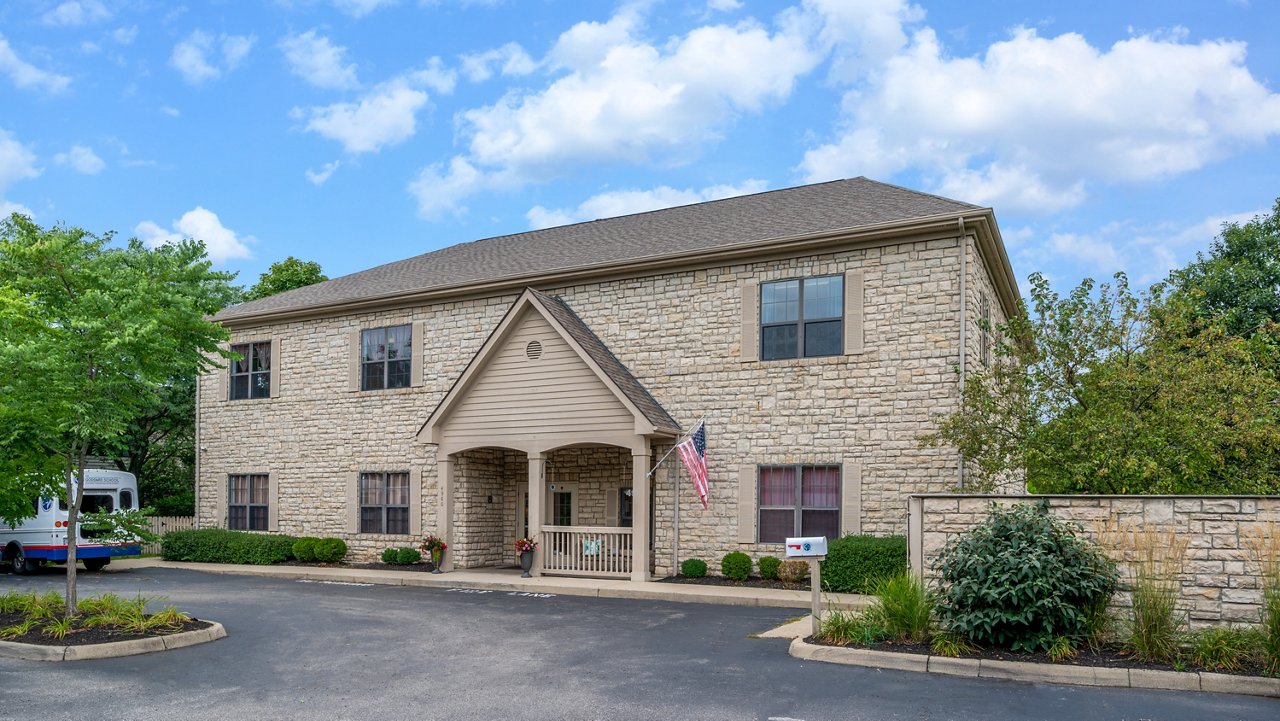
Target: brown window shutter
[(353, 361), (415, 502), (277, 368), (750, 343), (851, 498), (224, 375), (418, 343), (273, 496), (747, 504), (353, 502), (853, 311)]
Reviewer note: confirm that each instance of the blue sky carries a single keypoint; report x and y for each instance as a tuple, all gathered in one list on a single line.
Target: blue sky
[(1107, 136)]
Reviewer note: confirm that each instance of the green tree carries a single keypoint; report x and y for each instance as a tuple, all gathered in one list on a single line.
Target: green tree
[(285, 275), (89, 335), (1239, 280), (1109, 392)]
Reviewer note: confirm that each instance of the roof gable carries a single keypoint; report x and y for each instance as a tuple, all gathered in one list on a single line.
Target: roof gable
[(542, 371)]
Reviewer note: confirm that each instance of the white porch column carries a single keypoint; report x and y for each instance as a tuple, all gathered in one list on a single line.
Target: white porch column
[(537, 491), (640, 514), (444, 509)]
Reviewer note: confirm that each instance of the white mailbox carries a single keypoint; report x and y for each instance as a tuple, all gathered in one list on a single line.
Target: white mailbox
[(806, 547)]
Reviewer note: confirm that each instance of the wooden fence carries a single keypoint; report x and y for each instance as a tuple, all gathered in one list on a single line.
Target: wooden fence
[(161, 525)]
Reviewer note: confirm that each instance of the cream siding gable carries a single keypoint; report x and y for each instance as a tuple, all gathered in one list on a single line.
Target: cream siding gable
[(514, 395)]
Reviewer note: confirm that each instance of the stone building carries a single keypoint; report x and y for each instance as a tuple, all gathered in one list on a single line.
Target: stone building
[(817, 331)]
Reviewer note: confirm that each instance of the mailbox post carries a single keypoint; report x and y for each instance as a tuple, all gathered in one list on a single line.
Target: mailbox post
[(814, 550)]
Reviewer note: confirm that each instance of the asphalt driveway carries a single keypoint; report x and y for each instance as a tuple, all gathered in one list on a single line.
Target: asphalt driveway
[(299, 650)]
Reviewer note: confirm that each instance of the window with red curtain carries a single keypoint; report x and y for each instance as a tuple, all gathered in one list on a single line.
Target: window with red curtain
[(798, 501)]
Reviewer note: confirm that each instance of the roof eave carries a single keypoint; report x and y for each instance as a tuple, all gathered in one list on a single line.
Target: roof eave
[(635, 266)]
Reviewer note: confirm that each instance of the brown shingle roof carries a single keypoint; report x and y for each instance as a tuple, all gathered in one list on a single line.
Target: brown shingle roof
[(837, 205), (608, 362)]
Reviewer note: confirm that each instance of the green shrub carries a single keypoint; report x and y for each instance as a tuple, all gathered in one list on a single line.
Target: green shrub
[(408, 556), (389, 555), (769, 567), (844, 627), (304, 549), (903, 607), (693, 568), (793, 571), (854, 563), (1021, 579), (330, 550), (736, 566), (1223, 649), (216, 545)]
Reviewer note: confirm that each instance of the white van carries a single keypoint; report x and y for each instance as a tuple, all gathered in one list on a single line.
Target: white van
[(43, 539)]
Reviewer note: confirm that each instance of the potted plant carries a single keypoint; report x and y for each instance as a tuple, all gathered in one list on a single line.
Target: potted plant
[(525, 547), (435, 546)]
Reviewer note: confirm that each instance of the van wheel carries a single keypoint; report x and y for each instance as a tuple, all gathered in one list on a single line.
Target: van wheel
[(96, 564), (19, 564)]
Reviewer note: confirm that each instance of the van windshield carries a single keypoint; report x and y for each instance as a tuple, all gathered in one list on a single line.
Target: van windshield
[(97, 503)]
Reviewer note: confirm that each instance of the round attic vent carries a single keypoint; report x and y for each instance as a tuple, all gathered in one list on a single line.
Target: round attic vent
[(533, 350)]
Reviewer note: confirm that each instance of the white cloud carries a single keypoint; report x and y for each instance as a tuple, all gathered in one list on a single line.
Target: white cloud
[(318, 177), (383, 117), (125, 36), (8, 208), (434, 76), (321, 63), (1034, 121), (625, 202), (629, 101), (17, 162), (360, 8), (171, 111), (510, 60), (724, 5), (195, 56), (222, 243), (81, 159), (25, 75), (861, 35), (76, 12)]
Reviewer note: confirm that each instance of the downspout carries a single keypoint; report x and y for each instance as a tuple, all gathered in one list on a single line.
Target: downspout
[(964, 274)]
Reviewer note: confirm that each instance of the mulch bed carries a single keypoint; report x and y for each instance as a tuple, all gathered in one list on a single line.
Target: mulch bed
[(89, 636), (1105, 657), (421, 566), (752, 582)]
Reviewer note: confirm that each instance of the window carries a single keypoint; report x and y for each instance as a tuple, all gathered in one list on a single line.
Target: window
[(384, 503), (562, 508), (385, 357), (251, 375), (798, 501), (802, 318), (247, 502), (624, 507), (126, 500)]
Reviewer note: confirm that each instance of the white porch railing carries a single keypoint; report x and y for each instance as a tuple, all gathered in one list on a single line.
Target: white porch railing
[(586, 551)]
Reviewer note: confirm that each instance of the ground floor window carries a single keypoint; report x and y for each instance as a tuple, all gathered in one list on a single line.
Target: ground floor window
[(798, 501), (624, 507), (248, 502), (384, 503)]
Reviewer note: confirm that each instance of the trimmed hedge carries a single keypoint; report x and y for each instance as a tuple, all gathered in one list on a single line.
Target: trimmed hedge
[(736, 566), (216, 545), (330, 550), (769, 566), (855, 563), (304, 549), (693, 568)]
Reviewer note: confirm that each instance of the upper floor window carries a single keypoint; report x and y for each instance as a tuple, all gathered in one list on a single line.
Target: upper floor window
[(798, 501), (251, 375), (802, 318), (386, 357)]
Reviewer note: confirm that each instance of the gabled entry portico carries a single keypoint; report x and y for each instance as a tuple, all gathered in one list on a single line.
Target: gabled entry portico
[(544, 389)]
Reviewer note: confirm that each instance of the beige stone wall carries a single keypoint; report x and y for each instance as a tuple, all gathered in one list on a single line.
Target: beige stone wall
[(1221, 581), (679, 333)]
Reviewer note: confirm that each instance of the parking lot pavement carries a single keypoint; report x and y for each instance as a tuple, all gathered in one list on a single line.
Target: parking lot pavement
[(313, 650)]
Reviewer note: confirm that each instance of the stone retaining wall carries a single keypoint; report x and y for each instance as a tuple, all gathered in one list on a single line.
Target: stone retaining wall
[(1221, 577)]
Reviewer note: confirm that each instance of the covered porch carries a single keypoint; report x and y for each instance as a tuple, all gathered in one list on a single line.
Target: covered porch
[(545, 406)]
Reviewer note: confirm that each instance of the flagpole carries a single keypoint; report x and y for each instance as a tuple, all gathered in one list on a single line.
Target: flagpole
[(673, 477), (675, 445)]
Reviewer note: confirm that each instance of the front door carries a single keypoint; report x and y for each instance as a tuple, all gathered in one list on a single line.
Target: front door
[(560, 506)]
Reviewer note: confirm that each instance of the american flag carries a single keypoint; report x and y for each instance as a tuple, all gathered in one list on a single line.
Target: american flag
[(693, 451)]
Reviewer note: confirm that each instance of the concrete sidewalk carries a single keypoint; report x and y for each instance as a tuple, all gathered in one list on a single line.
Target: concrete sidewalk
[(504, 579)]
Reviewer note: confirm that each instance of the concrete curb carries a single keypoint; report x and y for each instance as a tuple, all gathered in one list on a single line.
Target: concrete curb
[(34, 652), (592, 588), (1029, 672)]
